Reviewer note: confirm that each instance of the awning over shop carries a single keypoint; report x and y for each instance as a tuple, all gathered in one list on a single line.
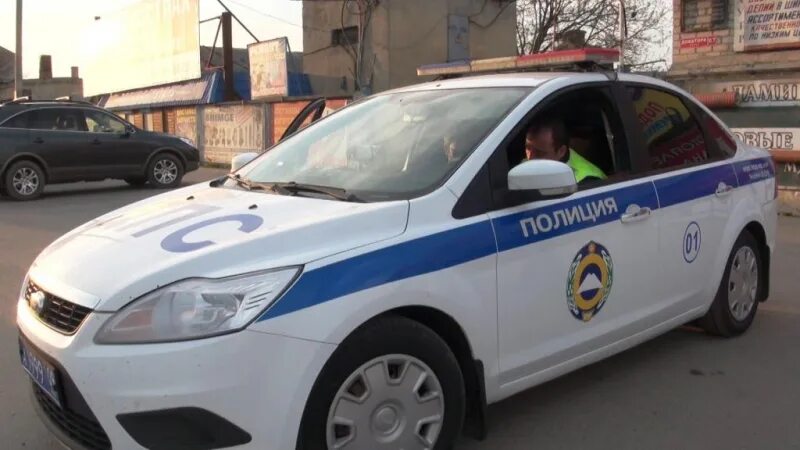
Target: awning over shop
[(207, 89)]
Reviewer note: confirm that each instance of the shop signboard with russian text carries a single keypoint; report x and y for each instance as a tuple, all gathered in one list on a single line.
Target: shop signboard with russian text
[(759, 93), (766, 25), (770, 138)]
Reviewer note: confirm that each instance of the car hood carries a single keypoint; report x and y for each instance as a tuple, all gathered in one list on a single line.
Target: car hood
[(202, 231)]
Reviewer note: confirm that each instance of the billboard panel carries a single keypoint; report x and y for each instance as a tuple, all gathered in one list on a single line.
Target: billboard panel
[(268, 71), (766, 25), (149, 43)]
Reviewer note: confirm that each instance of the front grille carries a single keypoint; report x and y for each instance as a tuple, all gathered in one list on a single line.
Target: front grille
[(59, 314), (85, 431)]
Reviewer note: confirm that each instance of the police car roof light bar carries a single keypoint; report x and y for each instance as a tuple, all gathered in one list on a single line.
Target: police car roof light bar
[(582, 60)]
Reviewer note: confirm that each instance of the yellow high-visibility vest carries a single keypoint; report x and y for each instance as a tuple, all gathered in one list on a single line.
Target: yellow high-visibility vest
[(583, 168)]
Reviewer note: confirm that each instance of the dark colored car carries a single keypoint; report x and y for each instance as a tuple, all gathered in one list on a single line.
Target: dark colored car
[(45, 142)]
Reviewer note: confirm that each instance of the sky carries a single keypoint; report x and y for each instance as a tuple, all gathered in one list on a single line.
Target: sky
[(54, 27)]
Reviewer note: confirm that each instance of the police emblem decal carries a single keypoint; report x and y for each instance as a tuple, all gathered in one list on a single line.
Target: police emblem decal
[(589, 282)]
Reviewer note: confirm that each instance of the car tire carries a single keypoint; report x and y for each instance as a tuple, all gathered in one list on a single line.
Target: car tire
[(417, 376), (137, 182), (24, 180), (165, 171), (736, 302)]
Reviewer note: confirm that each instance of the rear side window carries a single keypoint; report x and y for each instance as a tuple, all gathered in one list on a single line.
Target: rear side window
[(44, 119), (58, 119), (673, 135), (18, 121), (724, 140)]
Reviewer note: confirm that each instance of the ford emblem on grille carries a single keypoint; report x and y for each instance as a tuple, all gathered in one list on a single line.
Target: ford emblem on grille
[(36, 301)]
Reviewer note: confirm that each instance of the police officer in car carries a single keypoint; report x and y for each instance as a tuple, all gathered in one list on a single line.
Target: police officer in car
[(548, 140)]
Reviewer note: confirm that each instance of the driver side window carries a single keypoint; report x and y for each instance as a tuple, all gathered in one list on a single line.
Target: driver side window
[(98, 122), (581, 128), (585, 121)]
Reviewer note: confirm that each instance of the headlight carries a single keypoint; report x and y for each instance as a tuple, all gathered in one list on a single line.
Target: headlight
[(187, 141), (196, 308)]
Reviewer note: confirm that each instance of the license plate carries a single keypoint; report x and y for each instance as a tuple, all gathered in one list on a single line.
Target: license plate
[(43, 374)]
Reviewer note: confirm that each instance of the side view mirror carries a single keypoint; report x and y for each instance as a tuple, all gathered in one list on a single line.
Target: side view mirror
[(128, 131), (241, 159), (549, 179)]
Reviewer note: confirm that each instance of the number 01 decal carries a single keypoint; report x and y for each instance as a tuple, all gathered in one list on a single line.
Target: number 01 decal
[(691, 242)]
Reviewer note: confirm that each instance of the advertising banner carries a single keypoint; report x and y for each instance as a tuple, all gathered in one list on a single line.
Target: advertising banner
[(268, 70), (766, 25), (186, 123), (234, 127), (149, 43)]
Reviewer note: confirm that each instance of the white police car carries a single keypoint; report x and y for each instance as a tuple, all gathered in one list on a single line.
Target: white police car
[(362, 285)]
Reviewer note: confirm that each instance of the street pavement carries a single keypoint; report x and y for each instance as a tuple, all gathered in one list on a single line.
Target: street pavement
[(683, 390)]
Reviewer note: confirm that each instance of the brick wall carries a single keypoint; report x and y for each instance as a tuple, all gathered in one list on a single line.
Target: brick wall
[(170, 115), (712, 50), (138, 119), (158, 120)]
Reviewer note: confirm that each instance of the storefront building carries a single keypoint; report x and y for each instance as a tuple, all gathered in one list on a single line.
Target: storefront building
[(742, 58)]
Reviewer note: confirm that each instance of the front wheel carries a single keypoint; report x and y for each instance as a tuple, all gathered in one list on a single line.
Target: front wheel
[(165, 171), (736, 302), (393, 384)]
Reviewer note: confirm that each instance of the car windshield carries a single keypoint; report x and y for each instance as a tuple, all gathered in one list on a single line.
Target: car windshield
[(392, 146)]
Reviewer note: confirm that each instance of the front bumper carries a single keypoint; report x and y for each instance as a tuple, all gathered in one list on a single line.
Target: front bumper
[(255, 381), (191, 166)]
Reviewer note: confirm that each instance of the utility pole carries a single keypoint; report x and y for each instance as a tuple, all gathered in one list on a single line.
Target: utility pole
[(18, 55), (623, 33), (227, 56)]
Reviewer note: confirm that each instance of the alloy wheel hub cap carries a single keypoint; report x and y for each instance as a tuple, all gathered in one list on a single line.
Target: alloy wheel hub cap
[(385, 420), (25, 181), (165, 171)]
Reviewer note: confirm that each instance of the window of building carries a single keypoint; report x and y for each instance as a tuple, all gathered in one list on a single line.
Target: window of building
[(696, 15), (673, 135), (344, 36)]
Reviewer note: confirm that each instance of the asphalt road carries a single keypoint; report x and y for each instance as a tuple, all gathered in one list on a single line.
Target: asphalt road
[(682, 390)]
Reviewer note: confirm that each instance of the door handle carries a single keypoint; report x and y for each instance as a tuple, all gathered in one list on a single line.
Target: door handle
[(723, 189), (635, 214), (38, 140)]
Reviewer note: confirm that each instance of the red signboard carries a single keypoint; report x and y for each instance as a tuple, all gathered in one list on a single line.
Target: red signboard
[(696, 42)]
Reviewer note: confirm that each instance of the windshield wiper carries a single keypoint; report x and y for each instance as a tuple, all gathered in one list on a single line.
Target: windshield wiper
[(240, 181), (293, 188), (333, 192), (251, 185)]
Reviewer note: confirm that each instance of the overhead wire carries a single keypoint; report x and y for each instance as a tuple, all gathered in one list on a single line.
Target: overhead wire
[(279, 19)]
